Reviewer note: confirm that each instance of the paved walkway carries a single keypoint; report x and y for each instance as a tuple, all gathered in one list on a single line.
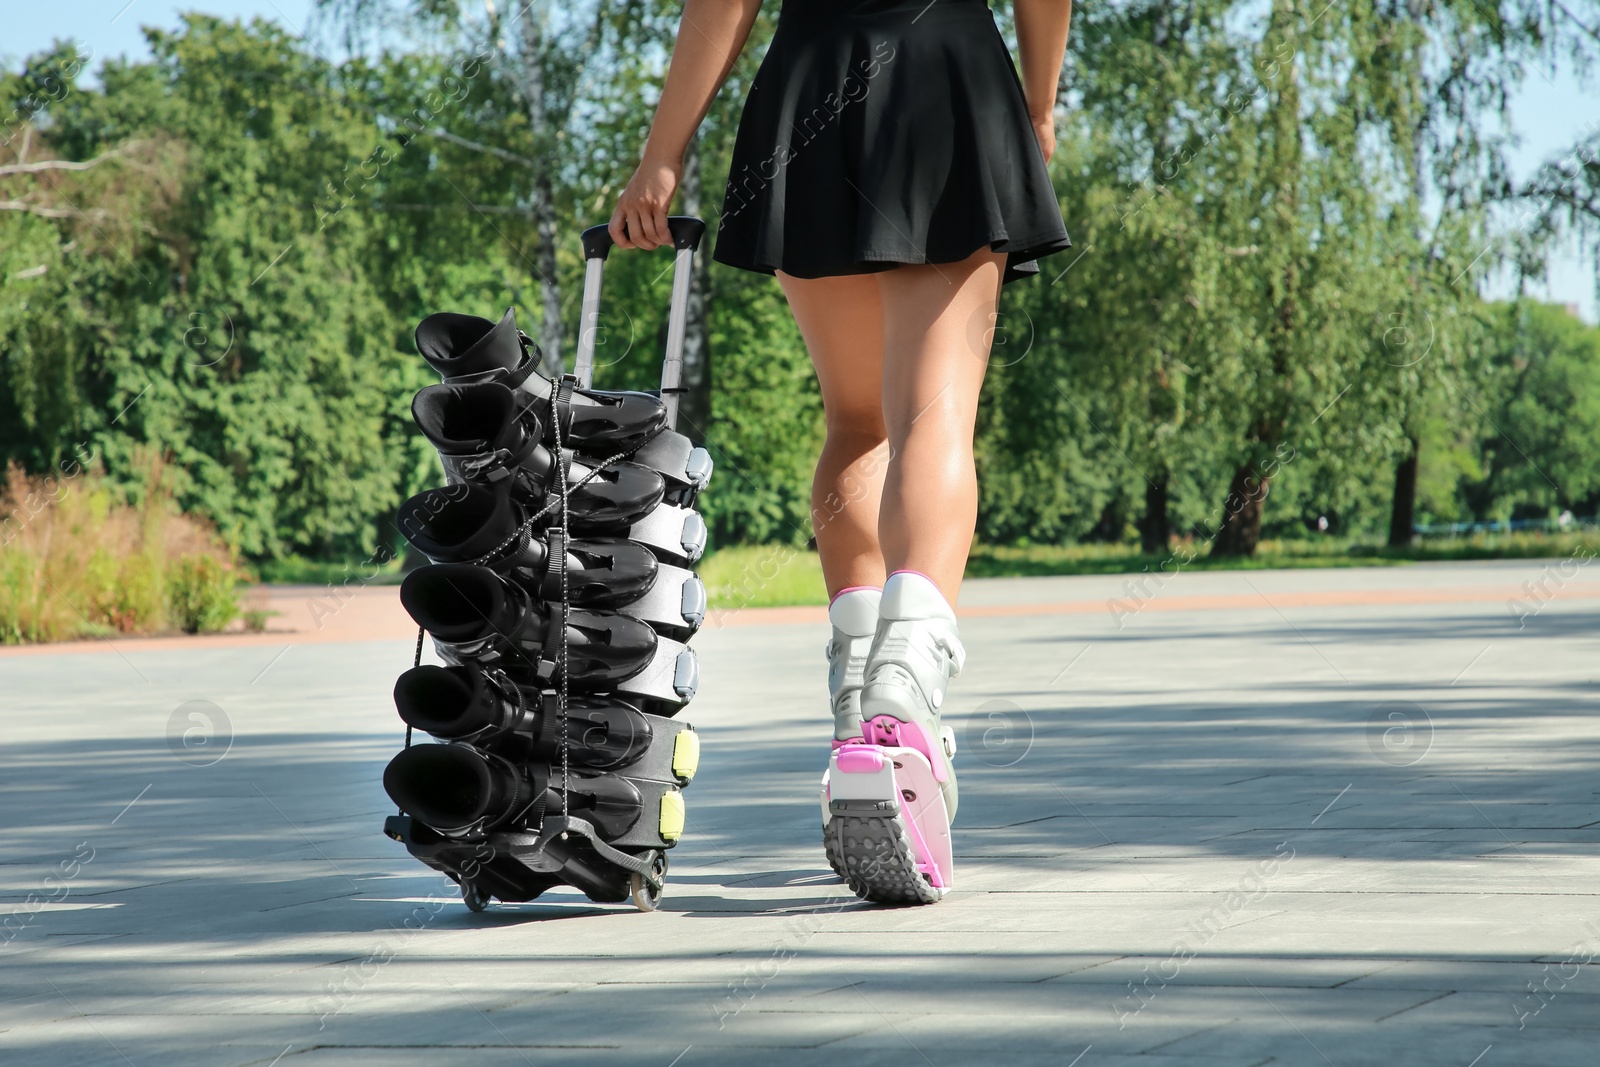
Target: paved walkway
[(1341, 817)]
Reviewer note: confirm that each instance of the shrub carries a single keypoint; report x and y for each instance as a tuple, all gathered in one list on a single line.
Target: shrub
[(80, 559), (200, 594)]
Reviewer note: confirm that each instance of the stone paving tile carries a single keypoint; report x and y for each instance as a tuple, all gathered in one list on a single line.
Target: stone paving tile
[(1479, 975), (998, 1036), (671, 1014), (1553, 1007), (97, 1052), (1274, 1041), (1278, 971), (249, 911)]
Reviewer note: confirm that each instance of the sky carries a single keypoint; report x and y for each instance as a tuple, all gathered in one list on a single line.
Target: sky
[(1548, 112)]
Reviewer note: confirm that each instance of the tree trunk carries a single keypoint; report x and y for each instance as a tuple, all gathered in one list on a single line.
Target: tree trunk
[(531, 59), (550, 326), (694, 406), (1155, 532), (1403, 513), (1108, 529), (1240, 531)]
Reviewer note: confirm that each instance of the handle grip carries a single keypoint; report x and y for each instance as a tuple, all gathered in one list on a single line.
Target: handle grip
[(685, 229), (597, 243)]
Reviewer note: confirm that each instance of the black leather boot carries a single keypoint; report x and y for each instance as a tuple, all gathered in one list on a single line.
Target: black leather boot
[(467, 348), (489, 710)]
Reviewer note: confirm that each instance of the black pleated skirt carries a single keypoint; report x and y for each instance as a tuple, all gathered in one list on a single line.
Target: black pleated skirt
[(879, 132)]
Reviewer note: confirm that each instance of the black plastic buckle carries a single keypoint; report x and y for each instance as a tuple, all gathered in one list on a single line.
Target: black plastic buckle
[(487, 466), (533, 812), (549, 710), (555, 565), (554, 644), (561, 402), (502, 684)]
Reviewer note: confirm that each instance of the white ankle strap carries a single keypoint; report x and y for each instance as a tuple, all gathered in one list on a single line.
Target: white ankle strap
[(856, 612), (912, 595)]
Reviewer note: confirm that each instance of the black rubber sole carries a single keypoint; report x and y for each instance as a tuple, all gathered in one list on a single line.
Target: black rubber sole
[(873, 854), (830, 848)]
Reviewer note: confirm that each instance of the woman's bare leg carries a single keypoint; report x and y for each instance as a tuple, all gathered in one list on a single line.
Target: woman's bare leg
[(841, 320), (938, 324)]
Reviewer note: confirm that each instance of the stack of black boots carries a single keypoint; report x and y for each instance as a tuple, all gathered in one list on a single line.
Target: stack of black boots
[(560, 597)]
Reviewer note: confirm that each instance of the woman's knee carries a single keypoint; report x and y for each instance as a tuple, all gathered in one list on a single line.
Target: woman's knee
[(937, 427), (856, 426)]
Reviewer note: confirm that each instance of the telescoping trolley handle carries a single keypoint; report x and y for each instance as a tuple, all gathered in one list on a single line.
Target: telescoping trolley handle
[(597, 243)]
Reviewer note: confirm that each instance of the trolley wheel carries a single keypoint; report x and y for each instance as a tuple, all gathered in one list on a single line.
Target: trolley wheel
[(474, 898), (646, 898)]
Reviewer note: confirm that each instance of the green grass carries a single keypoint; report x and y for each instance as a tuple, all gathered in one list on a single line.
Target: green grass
[(775, 576), (758, 576), (764, 576), (293, 570), (1005, 561), (990, 561), (1492, 546)]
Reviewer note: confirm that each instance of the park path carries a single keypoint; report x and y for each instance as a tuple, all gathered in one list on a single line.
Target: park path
[(312, 614), (1295, 817)]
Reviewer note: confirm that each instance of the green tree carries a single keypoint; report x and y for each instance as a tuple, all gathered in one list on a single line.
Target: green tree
[(219, 324), (1544, 433)]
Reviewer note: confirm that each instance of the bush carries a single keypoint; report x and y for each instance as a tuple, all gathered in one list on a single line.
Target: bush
[(80, 559), (200, 594)]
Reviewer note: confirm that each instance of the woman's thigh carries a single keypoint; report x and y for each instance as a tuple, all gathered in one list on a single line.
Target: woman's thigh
[(938, 322), (841, 320)]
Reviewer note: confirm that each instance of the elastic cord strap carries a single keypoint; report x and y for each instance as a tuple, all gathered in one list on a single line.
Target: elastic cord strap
[(563, 397), (416, 661)]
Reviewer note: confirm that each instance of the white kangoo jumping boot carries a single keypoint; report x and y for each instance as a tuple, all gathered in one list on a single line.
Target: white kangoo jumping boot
[(854, 615), (889, 798)]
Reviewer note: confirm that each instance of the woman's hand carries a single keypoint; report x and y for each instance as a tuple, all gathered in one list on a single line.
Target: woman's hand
[(711, 34), (640, 220), (1044, 130)]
